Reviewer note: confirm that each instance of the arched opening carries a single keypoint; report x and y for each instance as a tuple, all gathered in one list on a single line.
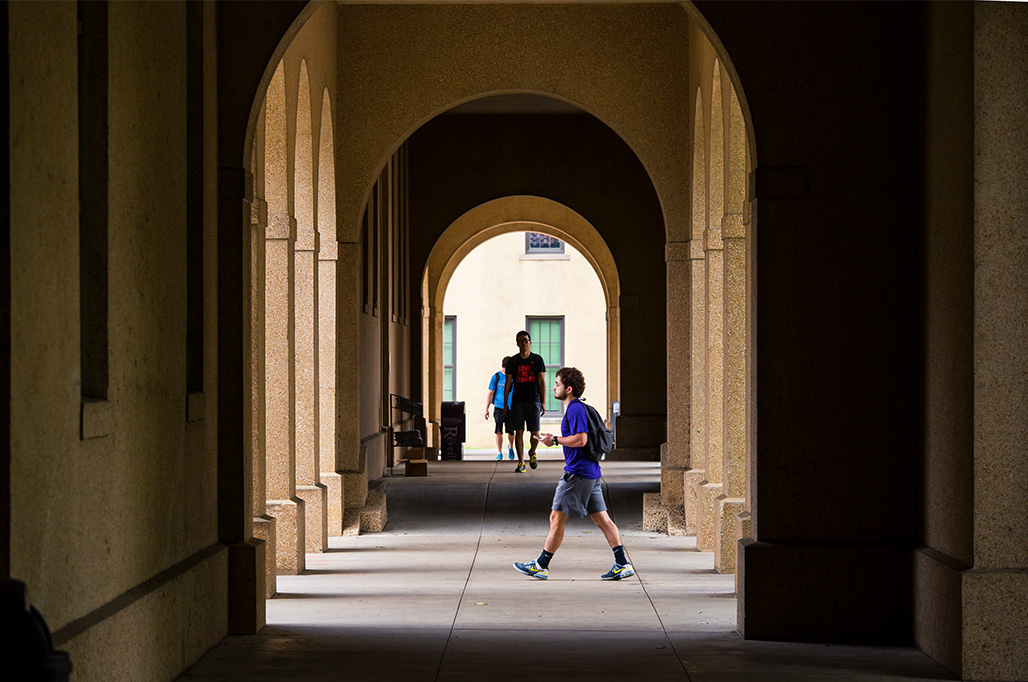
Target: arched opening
[(380, 193), (527, 280), (518, 214)]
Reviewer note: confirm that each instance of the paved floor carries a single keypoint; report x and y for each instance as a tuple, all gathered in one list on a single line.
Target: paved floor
[(434, 598)]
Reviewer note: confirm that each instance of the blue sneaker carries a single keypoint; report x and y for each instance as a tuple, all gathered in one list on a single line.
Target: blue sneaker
[(533, 569), (499, 457), (510, 453), (618, 571)]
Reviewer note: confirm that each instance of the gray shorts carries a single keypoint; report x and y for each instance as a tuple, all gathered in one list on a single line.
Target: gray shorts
[(578, 497)]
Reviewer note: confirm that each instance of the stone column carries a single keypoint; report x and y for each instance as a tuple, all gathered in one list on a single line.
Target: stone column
[(613, 354), (349, 463), (263, 523), (246, 553), (306, 436), (676, 455), (995, 590), (696, 476), (328, 252), (732, 500), (434, 319), (282, 503), (710, 490)]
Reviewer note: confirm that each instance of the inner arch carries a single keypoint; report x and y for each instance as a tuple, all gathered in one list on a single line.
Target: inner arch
[(518, 213)]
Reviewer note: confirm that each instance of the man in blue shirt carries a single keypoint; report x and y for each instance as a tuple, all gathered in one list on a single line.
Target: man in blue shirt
[(500, 414), (579, 492)]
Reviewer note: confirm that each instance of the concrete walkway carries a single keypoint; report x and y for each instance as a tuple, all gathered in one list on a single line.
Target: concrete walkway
[(434, 598)]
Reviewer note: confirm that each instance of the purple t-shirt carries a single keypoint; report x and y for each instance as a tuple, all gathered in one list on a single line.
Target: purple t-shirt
[(576, 420)]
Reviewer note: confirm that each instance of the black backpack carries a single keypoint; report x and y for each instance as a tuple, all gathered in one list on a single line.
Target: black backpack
[(601, 440)]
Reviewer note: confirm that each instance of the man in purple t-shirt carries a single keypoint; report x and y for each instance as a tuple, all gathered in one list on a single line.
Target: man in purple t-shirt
[(579, 492)]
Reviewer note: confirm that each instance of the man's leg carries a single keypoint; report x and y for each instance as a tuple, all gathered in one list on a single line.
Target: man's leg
[(621, 568), (499, 442), (532, 424), (555, 536), (610, 530), (519, 445), (539, 568)]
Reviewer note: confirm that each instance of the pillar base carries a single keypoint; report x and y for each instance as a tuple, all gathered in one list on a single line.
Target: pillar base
[(315, 500), (937, 607), (264, 530), (691, 482), (672, 490), (672, 470), (994, 623), (246, 587), (654, 516), (290, 558), (707, 520), (726, 541), (830, 593), (355, 488), (743, 531), (335, 503)]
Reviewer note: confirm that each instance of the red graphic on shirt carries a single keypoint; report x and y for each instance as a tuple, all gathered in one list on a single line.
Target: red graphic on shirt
[(524, 374)]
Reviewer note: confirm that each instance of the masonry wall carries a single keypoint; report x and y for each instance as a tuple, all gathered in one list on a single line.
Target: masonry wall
[(838, 302), (113, 494), (948, 253)]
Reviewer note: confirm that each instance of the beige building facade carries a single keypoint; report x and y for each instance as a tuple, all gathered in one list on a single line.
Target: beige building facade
[(234, 227), (496, 291)]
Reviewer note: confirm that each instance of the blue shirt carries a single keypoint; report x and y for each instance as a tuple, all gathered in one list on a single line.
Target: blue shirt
[(576, 420), (497, 384)]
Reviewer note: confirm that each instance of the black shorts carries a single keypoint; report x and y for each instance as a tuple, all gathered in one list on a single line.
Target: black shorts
[(502, 419), (524, 416)]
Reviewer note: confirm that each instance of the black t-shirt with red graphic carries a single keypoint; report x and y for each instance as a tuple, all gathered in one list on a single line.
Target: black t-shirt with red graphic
[(525, 371)]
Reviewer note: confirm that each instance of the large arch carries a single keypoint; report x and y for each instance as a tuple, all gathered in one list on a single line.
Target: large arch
[(500, 216), (382, 109)]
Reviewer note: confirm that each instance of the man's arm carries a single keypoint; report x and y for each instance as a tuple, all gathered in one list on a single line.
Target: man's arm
[(576, 441), (540, 380), (508, 385), (489, 401)]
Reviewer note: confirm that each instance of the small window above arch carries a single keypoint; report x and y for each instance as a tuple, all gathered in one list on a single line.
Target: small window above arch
[(538, 244)]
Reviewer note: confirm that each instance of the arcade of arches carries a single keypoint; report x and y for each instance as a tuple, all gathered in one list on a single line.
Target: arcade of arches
[(203, 359)]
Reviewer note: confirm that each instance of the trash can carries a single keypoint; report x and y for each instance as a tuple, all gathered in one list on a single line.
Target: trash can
[(452, 433)]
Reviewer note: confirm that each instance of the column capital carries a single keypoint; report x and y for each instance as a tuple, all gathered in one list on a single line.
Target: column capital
[(259, 212), (677, 251), (328, 249), (697, 250), (347, 250), (306, 238), (712, 240), (732, 226), (281, 226)]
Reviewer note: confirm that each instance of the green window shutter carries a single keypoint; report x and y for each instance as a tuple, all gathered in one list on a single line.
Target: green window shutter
[(449, 358), (548, 341)]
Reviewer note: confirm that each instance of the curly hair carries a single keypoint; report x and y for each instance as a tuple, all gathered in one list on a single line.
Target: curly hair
[(572, 378)]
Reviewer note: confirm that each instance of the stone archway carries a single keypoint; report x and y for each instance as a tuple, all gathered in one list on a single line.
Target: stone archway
[(644, 102), (500, 216)]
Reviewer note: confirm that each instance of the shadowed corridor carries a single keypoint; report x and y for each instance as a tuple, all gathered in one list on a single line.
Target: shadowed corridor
[(434, 597)]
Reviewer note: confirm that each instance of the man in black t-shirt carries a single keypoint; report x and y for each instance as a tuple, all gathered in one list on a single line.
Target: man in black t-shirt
[(526, 386)]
